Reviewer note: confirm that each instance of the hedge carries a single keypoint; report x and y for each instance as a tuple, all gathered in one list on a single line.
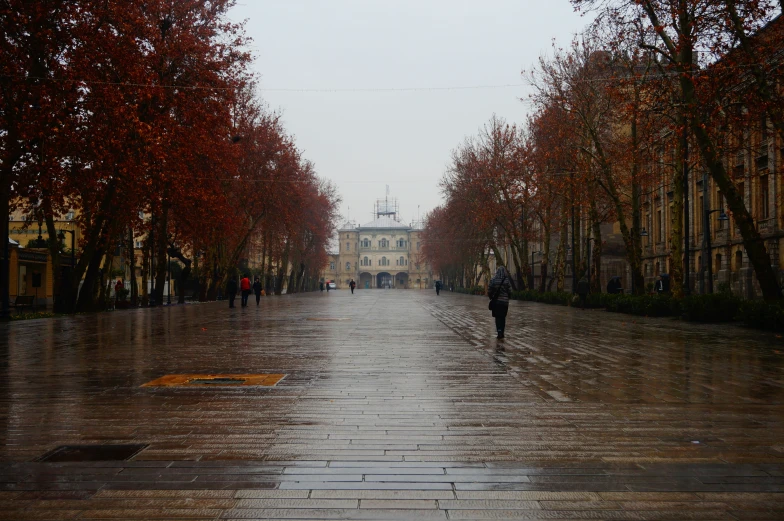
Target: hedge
[(762, 315), (717, 307)]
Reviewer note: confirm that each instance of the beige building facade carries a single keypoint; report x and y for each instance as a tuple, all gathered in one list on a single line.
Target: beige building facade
[(385, 253)]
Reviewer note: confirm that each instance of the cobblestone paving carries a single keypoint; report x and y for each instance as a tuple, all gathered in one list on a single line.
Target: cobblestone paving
[(395, 405)]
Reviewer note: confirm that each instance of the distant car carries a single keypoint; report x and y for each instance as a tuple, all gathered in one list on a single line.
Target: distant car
[(332, 284)]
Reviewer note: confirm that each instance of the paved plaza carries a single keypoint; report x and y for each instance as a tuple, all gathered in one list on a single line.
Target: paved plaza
[(391, 405)]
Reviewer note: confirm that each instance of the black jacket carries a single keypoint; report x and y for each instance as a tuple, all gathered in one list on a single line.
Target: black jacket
[(231, 286)]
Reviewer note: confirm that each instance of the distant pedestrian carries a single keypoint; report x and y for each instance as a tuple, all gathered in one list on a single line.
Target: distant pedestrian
[(499, 291), (659, 286), (352, 285), (245, 287), (321, 286), (438, 287), (231, 290), (328, 283), (583, 288), (257, 290), (117, 289)]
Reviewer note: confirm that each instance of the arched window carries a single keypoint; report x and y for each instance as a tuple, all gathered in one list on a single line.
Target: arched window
[(365, 262), (366, 243), (383, 243), (383, 261), (402, 261), (401, 243)]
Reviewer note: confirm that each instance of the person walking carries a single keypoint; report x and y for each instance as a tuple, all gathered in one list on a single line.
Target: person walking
[(583, 288), (438, 287), (245, 287), (327, 284), (231, 290), (352, 285), (257, 290), (499, 291), (321, 286)]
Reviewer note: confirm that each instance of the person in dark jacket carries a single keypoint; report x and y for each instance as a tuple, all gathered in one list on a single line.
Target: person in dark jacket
[(352, 285), (231, 290), (614, 286), (583, 288), (257, 290), (499, 290), (438, 287)]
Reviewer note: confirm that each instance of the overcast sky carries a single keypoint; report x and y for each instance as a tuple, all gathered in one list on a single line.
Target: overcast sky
[(371, 137)]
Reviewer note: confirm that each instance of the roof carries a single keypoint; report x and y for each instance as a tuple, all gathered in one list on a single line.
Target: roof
[(386, 223)]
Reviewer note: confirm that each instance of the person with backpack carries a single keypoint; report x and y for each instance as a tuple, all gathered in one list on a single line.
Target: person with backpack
[(583, 288), (231, 290), (499, 291), (245, 288), (257, 290)]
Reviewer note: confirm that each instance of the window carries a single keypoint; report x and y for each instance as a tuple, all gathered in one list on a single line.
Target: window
[(348, 266), (417, 246), (738, 260), (331, 266), (384, 261), (348, 246), (658, 228), (717, 266), (402, 261), (719, 206), (70, 215), (383, 243), (700, 211), (401, 243), (764, 192), (365, 262)]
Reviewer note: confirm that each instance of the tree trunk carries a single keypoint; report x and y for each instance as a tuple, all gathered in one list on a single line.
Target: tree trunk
[(676, 238), (134, 286), (145, 297), (161, 248)]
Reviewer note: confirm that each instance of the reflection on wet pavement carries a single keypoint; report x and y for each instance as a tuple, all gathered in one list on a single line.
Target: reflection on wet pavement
[(393, 401)]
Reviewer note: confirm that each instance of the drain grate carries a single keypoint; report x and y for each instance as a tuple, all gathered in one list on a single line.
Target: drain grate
[(66, 453), (216, 380)]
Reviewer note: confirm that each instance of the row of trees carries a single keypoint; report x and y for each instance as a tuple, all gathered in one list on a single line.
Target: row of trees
[(141, 116), (614, 118)]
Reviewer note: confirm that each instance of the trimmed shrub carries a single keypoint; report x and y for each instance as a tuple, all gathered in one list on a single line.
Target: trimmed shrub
[(643, 305), (762, 315), (718, 307), (560, 298), (476, 290)]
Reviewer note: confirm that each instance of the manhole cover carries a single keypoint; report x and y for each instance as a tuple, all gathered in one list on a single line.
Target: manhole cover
[(66, 453), (216, 380)]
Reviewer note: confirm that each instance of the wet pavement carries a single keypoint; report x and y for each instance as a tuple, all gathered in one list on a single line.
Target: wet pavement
[(394, 405)]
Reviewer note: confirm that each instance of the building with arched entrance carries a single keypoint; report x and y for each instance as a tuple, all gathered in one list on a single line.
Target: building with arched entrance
[(385, 253)]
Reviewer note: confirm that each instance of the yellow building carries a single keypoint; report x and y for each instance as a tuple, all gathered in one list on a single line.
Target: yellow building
[(385, 253)]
